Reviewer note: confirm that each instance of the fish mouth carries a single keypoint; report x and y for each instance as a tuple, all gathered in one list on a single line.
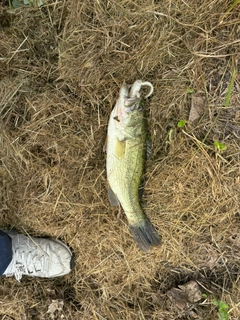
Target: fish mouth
[(136, 87), (132, 93), (131, 103)]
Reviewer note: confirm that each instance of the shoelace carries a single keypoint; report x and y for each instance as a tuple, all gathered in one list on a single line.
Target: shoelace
[(28, 261)]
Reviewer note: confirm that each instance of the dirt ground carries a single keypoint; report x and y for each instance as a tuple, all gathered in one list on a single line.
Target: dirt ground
[(61, 67)]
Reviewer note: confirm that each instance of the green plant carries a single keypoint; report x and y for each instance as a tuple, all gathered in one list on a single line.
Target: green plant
[(181, 123), (190, 90), (230, 87), (220, 146), (20, 3), (229, 10), (222, 309)]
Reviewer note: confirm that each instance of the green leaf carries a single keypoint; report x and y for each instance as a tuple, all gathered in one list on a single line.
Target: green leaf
[(220, 146), (233, 5), (223, 315), (229, 9), (230, 87), (222, 309), (222, 305), (189, 90), (16, 4), (181, 123)]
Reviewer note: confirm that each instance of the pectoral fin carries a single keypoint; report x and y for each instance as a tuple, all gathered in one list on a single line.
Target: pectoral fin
[(105, 144), (112, 197)]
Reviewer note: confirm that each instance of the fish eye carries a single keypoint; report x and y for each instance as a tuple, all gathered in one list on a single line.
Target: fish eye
[(140, 106)]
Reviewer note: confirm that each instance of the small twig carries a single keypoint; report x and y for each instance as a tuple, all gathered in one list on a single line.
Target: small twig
[(16, 51)]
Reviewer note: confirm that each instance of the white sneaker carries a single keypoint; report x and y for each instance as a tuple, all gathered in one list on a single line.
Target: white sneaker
[(38, 257)]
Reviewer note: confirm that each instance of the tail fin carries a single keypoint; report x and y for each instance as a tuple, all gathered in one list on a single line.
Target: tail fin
[(145, 235)]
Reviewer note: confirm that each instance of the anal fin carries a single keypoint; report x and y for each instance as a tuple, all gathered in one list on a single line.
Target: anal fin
[(105, 145)]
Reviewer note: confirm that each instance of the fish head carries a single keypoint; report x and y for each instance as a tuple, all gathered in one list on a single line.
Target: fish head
[(128, 111), (129, 106)]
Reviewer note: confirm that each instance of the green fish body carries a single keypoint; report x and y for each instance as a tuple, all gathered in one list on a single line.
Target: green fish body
[(126, 153)]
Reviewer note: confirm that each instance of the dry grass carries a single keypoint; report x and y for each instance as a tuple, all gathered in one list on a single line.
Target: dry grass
[(61, 67)]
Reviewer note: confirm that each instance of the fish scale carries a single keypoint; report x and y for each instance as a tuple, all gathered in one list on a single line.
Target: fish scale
[(128, 172)]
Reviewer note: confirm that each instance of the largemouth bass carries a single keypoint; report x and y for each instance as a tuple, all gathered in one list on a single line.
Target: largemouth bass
[(126, 154)]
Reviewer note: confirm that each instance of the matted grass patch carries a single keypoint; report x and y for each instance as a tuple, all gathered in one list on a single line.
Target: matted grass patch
[(61, 67)]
